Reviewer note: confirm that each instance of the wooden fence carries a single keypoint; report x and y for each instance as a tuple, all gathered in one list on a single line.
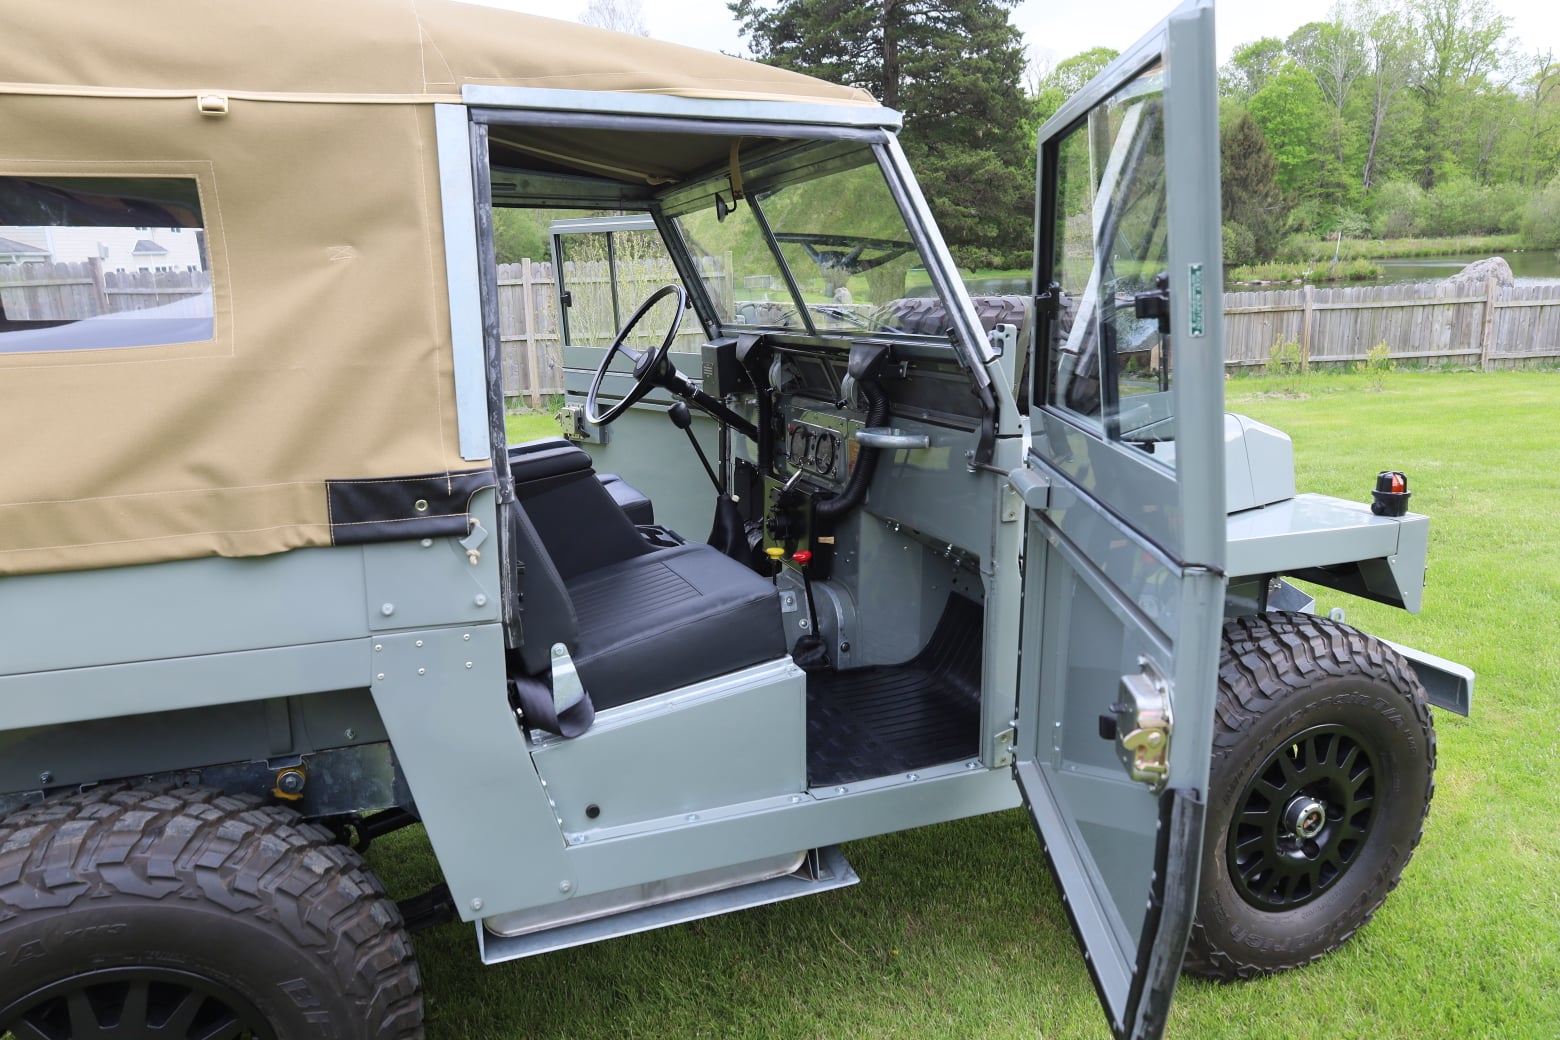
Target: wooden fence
[(63, 291), (1423, 322), (1420, 322), (531, 334)]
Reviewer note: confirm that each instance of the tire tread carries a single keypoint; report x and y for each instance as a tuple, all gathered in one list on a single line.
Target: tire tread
[(1265, 661), (162, 842)]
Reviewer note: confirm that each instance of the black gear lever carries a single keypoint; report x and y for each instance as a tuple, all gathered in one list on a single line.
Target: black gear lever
[(682, 418)]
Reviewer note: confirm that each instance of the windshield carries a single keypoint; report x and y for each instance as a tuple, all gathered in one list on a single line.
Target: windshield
[(818, 245)]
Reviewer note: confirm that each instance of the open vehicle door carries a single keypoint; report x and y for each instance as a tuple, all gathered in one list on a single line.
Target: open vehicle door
[(1124, 484)]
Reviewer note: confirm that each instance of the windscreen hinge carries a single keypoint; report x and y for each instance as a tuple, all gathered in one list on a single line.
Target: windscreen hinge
[(1046, 302)]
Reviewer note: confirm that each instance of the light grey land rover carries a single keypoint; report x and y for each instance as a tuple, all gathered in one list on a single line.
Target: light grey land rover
[(825, 547)]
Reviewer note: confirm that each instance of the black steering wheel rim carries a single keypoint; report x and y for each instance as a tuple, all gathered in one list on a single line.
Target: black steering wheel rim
[(648, 366)]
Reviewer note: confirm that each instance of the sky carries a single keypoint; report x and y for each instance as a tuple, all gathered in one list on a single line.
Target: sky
[(1057, 29)]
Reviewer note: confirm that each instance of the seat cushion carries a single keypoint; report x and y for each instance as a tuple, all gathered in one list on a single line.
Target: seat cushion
[(670, 618)]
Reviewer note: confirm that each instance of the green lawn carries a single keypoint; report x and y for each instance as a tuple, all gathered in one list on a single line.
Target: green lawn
[(957, 931)]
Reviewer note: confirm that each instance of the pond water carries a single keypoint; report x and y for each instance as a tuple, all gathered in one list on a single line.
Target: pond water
[(1535, 265)]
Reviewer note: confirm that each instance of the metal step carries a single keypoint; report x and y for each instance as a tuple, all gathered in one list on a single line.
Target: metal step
[(818, 871)]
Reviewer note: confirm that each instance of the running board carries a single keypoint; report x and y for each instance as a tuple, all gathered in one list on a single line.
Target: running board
[(819, 871)]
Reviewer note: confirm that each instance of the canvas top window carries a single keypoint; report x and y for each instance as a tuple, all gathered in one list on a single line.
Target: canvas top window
[(93, 263)]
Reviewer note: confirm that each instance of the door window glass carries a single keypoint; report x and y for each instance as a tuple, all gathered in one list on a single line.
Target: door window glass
[(1109, 351)]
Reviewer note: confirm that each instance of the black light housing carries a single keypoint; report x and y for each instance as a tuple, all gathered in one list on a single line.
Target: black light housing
[(1391, 495)]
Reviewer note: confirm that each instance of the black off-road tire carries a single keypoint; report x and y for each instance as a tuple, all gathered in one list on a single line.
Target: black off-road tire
[(1311, 714), (141, 912), (926, 315)]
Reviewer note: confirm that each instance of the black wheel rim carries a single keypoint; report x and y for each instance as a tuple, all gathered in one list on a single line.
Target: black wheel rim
[(126, 1003), (1303, 819)]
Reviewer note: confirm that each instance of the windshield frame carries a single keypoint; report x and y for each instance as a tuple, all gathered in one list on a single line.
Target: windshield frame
[(788, 167), (802, 124)]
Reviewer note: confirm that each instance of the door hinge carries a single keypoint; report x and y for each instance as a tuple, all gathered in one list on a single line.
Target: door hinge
[(1033, 487), (1140, 724), (1012, 504), (1002, 746)]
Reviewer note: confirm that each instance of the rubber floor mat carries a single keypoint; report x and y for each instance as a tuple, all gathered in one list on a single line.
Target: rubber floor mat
[(870, 722)]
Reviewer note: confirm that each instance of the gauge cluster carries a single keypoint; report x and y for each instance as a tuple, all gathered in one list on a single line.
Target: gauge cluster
[(816, 448)]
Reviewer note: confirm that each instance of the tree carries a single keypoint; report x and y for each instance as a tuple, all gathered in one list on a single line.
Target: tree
[(1292, 113), (1334, 53), (1250, 67), (1067, 78), (1389, 63), (1538, 148), (626, 16), (954, 69), (1249, 187), (1461, 40)]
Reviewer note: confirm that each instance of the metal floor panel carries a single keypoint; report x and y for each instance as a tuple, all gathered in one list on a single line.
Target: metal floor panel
[(872, 722), (823, 870)]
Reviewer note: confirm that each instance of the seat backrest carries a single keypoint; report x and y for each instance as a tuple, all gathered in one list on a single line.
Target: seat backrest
[(546, 611)]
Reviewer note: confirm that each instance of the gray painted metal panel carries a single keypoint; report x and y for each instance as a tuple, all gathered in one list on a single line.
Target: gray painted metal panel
[(682, 752), (458, 194), (834, 873), (432, 581), (623, 901), (180, 608), (1319, 531), (443, 699), (1124, 573), (616, 103), (1144, 495), (75, 694), (933, 489), (1449, 684), (771, 829)]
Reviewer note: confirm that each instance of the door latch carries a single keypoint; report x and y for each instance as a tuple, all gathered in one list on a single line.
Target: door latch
[(1140, 724)]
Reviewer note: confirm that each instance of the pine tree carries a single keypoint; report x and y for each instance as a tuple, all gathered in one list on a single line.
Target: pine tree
[(954, 69), (1249, 180)]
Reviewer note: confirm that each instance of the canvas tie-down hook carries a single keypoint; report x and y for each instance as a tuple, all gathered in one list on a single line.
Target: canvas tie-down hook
[(735, 179)]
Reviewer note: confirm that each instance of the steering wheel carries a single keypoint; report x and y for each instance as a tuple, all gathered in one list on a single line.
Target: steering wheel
[(649, 365)]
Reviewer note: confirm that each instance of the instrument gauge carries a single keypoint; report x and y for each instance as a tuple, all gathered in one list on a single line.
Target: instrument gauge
[(800, 447), (825, 452)]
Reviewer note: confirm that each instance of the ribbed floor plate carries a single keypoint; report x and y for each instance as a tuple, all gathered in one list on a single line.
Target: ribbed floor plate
[(871, 722)]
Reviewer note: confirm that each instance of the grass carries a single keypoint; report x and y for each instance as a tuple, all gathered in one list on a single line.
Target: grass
[(1342, 271), (530, 426), (1401, 248), (957, 931)]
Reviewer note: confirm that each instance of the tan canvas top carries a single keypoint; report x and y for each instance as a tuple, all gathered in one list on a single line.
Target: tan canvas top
[(326, 366), (371, 49)]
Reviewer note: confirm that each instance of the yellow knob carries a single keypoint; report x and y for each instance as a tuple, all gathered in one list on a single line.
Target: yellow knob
[(774, 552)]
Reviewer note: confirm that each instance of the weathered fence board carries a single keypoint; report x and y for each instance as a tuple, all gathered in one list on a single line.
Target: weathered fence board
[(71, 291), (1419, 321), (531, 333)]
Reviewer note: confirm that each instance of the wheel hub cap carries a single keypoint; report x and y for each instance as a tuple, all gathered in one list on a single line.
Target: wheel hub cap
[(1303, 818)]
